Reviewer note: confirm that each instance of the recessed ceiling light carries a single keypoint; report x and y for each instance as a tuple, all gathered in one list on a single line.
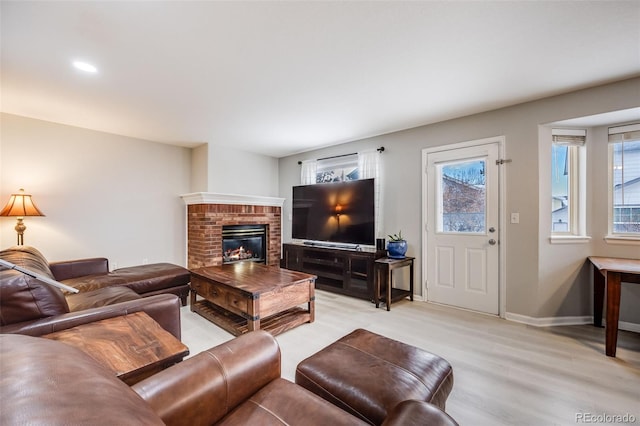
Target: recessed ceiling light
[(83, 66)]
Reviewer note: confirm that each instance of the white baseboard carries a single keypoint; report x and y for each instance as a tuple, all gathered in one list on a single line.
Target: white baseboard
[(629, 326), (555, 321), (548, 321)]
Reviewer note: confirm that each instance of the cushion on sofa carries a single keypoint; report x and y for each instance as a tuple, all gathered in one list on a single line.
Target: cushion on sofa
[(67, 269), (29, 258), (25, 298), (283, 402), (102, 297), (141, 279)]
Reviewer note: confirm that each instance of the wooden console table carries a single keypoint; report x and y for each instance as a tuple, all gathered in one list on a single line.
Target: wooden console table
[(247, 296), (134, 346), (342, 271), (384, 279), (609, 272)]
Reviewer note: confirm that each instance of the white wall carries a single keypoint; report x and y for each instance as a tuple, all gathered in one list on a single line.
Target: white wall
[(102, 194), (530, 292), (233, 171), (199, 169)]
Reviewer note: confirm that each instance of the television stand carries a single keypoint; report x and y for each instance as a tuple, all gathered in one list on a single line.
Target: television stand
[(347, 272)]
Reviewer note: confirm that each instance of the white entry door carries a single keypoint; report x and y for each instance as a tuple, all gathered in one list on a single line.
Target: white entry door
[(462, 220)]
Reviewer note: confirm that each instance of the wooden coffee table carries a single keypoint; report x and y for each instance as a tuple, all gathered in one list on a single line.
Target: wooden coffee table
[(247, 296), (134, 346)]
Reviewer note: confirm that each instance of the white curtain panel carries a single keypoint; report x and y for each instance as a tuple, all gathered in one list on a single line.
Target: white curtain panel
[(308, 172), (370, 166)]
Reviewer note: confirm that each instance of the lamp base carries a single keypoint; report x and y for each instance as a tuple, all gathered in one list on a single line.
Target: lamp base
[(20, 228)]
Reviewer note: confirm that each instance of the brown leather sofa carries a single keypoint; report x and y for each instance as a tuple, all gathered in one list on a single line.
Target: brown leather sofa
[(93, 274), (28, 306), (236, 383)]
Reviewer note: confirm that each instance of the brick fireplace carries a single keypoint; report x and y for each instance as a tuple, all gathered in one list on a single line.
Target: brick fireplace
[(207, 213)]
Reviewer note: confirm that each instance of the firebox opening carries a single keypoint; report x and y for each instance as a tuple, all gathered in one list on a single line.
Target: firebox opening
[(244, 243)]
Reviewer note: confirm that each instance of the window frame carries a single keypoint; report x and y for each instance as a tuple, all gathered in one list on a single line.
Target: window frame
[(618, 135), (576, 187)]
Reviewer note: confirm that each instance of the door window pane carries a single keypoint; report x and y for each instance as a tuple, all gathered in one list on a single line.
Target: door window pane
[(463, 197)]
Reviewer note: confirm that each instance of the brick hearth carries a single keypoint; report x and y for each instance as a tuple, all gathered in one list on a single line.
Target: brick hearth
[(207, 214)]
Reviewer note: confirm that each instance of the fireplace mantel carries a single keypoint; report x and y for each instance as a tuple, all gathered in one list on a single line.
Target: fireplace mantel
[(233, 199)]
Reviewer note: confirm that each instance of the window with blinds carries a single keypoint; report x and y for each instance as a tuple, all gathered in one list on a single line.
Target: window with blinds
[(624, 185), (568, 182)]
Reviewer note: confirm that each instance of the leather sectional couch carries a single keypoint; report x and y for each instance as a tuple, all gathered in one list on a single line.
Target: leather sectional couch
[(236, 383), (28, 306), (93, 274)]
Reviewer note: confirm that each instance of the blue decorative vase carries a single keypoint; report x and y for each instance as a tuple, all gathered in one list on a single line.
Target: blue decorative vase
[(397, 249)]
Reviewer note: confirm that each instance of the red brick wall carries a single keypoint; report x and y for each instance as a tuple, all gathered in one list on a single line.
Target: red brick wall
[(204, 230)]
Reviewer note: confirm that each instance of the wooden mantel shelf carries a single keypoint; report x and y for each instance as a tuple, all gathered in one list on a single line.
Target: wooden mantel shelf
[(239, 199)]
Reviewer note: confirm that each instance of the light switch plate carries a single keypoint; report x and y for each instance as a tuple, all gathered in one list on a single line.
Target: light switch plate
[(515, 217)]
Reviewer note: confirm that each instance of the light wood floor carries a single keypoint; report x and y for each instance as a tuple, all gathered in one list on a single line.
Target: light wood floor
[(505, 373)]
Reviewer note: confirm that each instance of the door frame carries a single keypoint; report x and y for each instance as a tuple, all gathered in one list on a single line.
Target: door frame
[(502, 246)]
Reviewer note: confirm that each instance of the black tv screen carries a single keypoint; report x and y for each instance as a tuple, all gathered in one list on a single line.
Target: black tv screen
[(341, 212)]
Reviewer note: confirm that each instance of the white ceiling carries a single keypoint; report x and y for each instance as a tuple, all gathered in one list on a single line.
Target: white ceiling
[(283, 77)]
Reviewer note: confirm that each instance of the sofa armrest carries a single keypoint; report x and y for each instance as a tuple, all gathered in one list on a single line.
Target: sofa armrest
[(212, 383), (163, 308), (419, 413), (79, 268)]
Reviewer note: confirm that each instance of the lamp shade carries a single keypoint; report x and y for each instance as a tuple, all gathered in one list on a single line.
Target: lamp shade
[(20, 205)]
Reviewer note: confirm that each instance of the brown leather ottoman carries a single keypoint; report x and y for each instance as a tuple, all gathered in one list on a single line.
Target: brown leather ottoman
[(367, 375)]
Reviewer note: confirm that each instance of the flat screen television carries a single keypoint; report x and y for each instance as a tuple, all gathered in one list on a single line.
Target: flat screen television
[(340, 212)]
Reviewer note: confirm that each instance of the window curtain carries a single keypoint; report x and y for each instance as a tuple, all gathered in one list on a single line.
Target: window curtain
[(370, 166), (308, 172)]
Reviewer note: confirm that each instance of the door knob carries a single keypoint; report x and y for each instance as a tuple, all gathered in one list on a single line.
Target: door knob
[(492, 242)]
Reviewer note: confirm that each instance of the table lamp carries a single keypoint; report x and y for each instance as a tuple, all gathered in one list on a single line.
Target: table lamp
[(20, 205)]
